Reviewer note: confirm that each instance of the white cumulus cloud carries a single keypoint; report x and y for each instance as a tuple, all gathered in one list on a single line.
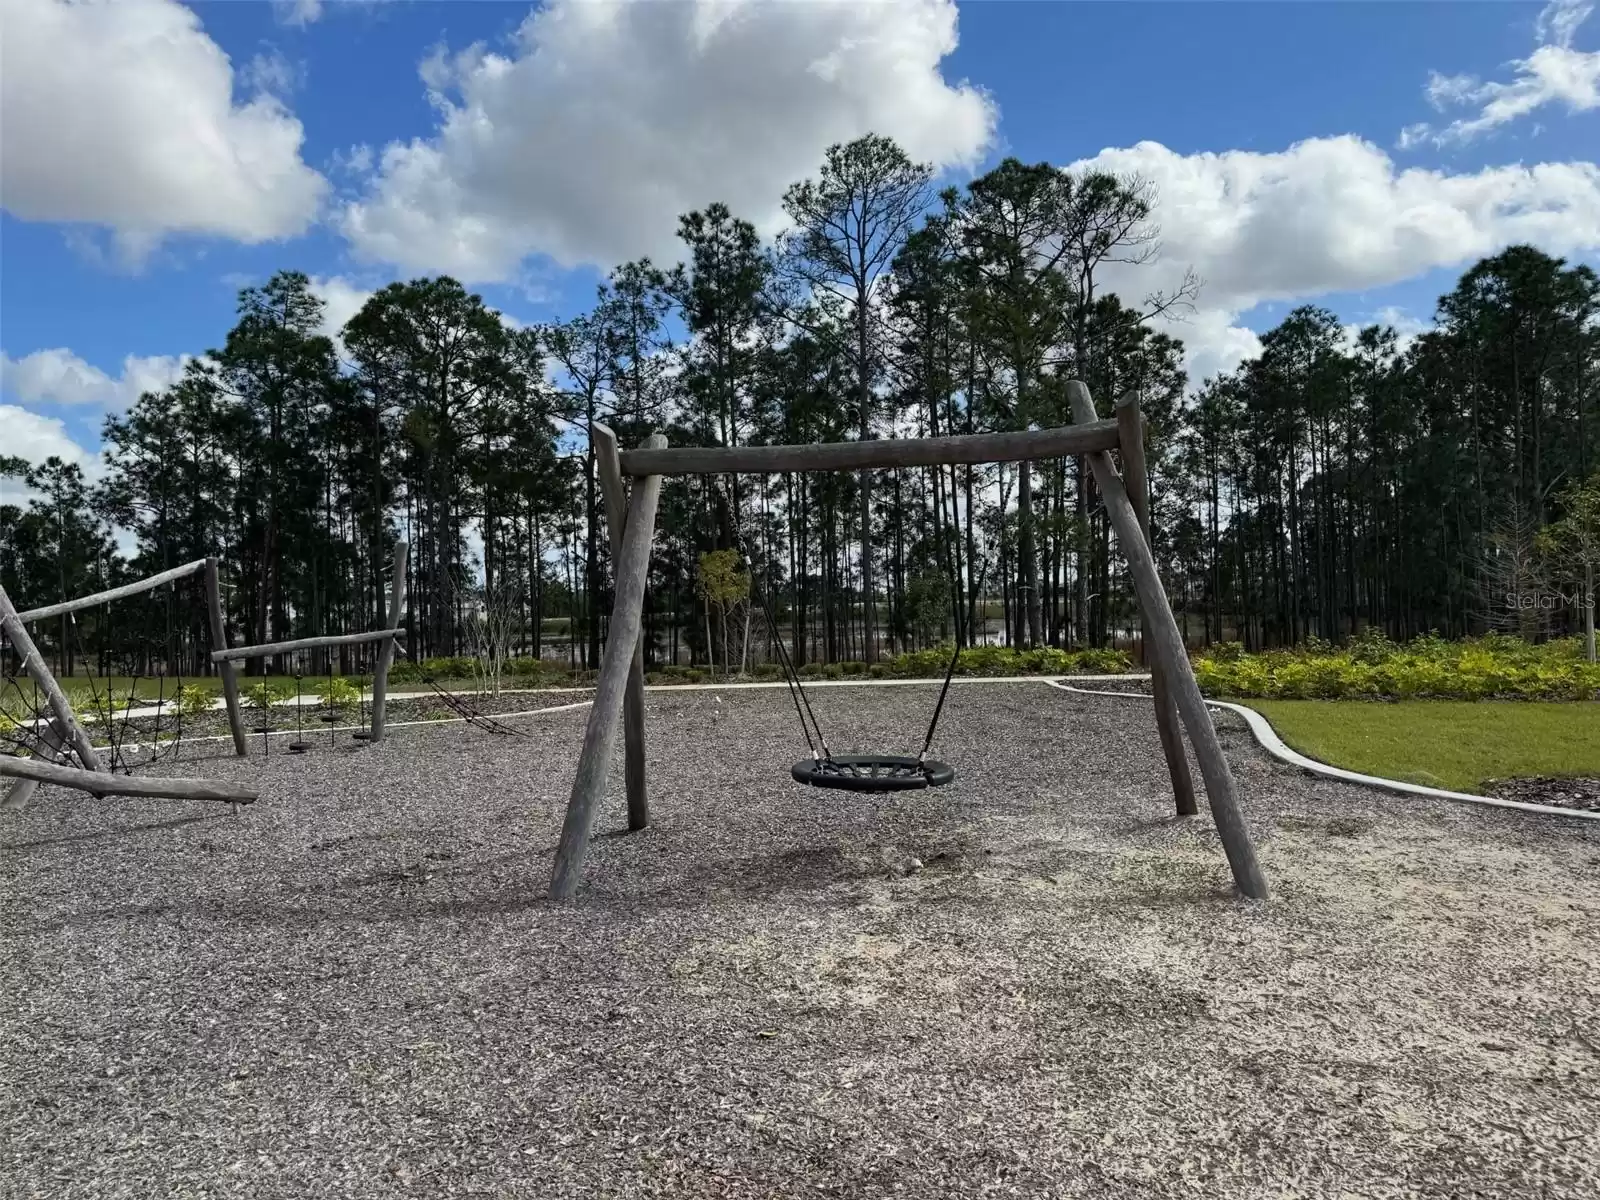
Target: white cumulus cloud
[(58, 376), (1332, 215), (1555, 73), (34, 438), (122, 115), (604, 120), (341, 300)]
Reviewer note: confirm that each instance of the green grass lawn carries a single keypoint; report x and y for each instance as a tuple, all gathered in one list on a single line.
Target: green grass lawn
[(1449, 744)]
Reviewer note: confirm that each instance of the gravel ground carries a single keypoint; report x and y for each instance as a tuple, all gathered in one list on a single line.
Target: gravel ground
[(357, 988)]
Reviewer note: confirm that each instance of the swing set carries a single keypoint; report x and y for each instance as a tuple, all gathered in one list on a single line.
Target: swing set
[(631, 483)]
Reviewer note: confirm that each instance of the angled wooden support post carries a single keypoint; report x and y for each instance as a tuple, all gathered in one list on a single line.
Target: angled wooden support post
[(1130, 429), (33, 663), (1168, 648), (609, 464), (397, 606), (600, 734), (225, 668)]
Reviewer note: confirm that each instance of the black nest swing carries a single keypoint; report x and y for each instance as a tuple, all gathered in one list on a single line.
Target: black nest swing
[(861, 772), (872, 773)]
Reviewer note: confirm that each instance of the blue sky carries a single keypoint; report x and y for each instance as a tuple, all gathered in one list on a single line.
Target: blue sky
[(1354, 154)]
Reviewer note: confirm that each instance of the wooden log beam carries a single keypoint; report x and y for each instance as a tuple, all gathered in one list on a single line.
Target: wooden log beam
[(1130, 426), (33, 663), (338, 639), (49, 749), (600, 734), (874, 454), (397, 603), (103, 783), (614, 489), (225, 668), (116, 593), (1169, 650)]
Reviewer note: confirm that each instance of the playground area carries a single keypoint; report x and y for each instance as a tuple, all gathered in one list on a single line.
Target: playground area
[(1035, 981)]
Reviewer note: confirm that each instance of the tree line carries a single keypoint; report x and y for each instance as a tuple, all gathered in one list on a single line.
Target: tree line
[(1331, 484)]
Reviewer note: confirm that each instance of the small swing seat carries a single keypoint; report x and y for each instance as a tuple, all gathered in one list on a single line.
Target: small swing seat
[(872, 773)]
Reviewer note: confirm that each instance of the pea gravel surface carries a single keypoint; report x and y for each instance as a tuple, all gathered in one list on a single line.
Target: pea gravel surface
[(1035, 982)]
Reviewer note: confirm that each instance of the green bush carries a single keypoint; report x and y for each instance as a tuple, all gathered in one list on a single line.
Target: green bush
[(192, 699), (264, 695), (449, 666), (338, 693), (1371, 667), (1007, 660)]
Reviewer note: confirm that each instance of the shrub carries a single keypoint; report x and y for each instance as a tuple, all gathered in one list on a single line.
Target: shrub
[(338, 693), (449, 667), (264, 695), (1372, 667), (192, 699), (405, 672)]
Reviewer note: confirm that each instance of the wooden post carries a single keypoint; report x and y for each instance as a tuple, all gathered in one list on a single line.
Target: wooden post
[(105, 783), (616, 497), (270, 649), (110, 594), (33, 663), (1130, 427), (380, 677), (23, 789), (600, 734), (225, 668), (1167, 645)]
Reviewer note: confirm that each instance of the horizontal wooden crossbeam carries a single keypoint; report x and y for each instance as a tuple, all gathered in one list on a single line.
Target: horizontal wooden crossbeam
[(267, 649), (116, 593), (883, 454)]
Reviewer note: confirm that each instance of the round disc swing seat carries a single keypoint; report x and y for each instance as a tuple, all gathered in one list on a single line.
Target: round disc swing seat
[(862, 772), (872, 773)]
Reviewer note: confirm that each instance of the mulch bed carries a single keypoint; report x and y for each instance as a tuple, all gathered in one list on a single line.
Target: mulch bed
[(1034, 982), (1583, 794)]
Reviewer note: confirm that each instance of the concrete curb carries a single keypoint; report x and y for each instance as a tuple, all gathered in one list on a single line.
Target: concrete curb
[(1268, 737)]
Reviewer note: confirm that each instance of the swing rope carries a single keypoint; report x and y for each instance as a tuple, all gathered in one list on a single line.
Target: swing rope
[(856, 772), (791, 676), (948, 675)]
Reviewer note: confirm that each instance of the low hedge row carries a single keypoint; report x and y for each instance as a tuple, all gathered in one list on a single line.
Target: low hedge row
[(1371, 667), (921, 664)]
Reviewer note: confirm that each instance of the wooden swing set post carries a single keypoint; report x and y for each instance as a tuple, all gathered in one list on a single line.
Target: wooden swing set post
[(380, 675), (600, 733), (1168, 649), (225, 667), (1130, 430), (612, 486)]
